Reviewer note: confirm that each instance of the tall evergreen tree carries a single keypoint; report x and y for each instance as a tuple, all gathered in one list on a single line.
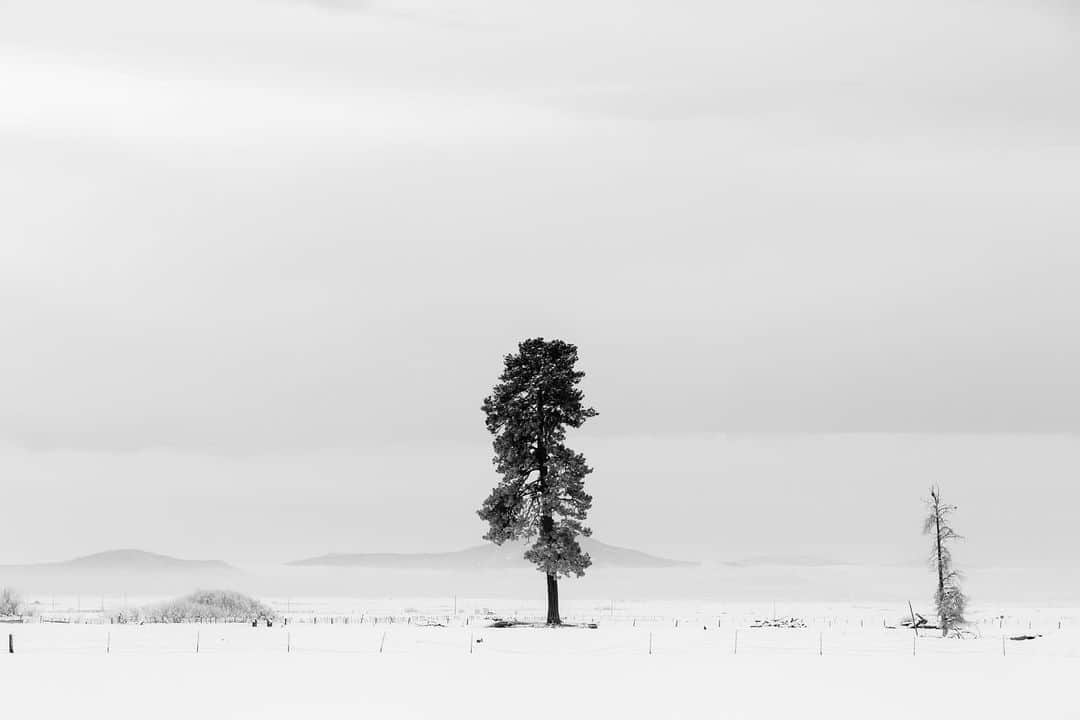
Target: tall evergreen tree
[(949, 599), (541, 495)]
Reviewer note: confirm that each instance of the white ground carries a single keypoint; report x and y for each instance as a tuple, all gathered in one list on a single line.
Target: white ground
[(533, 685), (330, 671)]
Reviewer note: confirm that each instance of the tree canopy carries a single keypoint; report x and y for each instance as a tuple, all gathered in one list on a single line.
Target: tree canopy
[(541, 494)]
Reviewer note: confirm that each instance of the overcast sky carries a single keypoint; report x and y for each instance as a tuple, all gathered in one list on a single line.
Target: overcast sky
[(268, 244)]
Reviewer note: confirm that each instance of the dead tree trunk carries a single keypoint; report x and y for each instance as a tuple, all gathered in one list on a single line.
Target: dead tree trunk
[(936, 500), (949, 599)]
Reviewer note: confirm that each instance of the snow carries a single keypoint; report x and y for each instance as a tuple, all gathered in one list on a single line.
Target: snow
[(695, 669)]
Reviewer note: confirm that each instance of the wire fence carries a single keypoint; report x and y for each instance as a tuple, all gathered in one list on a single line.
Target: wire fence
[(444, 635)]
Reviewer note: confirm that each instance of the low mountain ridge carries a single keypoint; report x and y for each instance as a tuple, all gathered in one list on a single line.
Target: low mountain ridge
[(488, 557), (129, 560)]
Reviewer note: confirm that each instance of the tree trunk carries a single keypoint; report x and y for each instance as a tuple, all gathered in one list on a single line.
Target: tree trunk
[(547, 522), (940, 568), (553, 601)]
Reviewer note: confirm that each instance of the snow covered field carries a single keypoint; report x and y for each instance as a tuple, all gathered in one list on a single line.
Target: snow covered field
[(707, 662), (608, 680)]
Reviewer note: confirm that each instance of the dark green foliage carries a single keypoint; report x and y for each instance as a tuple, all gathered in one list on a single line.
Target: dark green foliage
[(948, 598), (541, 494)]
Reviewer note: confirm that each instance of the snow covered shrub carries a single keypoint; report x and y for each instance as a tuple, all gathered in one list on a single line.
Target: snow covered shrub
[(129, 615), (209, 605), (10, 602)]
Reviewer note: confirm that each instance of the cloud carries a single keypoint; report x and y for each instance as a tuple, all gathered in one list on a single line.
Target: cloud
[(305, 229), (75, 99)]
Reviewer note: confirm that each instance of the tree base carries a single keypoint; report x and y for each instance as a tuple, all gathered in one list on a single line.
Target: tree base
[(553, 617)]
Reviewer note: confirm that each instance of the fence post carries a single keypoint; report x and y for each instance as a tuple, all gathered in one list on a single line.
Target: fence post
[(108, 643), (650, 643), (382, 641), (288, 642), (11, 643), (196, 643)]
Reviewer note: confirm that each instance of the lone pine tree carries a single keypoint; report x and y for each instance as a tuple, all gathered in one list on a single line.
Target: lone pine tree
[(949, 599), (541, 495)]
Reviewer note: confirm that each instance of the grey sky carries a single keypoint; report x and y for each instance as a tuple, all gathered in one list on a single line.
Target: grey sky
[(240, 228)]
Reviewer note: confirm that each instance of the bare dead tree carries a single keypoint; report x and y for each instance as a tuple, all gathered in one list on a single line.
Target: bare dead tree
[(949, 599)]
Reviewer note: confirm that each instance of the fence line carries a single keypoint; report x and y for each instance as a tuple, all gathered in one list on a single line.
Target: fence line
[(699, 640)]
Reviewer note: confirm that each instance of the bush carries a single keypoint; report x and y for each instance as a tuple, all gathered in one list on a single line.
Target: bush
[(209, 605), (129, 615), (10, 602)]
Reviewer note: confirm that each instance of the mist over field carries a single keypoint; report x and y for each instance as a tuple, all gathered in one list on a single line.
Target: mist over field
[(803, 501)]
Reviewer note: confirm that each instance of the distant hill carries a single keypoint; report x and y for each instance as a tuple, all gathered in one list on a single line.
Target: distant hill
[(783, 561), (128, 561), (489, 556), (116, 572)]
